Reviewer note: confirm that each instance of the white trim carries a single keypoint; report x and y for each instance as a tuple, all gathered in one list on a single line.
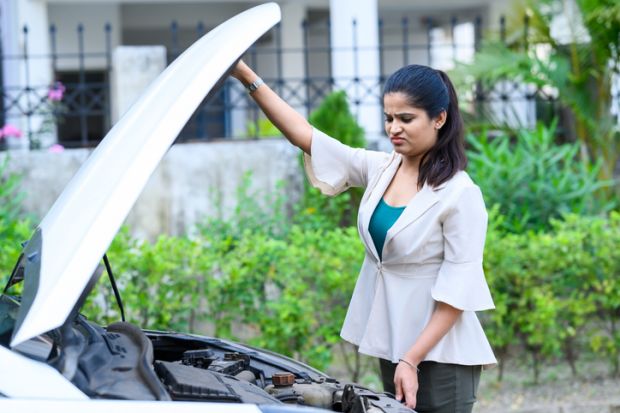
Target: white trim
[(25, 378), (107, 406)]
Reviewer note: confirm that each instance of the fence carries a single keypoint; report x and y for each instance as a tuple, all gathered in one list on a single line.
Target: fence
[(76, 104), (83, 115)]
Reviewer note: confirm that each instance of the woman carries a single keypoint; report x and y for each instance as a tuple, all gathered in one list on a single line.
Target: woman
[(423, 223)]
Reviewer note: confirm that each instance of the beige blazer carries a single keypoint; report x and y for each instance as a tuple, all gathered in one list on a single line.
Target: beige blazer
[(433, 252)]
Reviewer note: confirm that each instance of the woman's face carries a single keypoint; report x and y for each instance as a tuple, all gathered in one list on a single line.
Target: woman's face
[(409, 128)]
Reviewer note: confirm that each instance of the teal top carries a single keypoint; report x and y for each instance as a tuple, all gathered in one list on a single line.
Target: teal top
[(381, 221)]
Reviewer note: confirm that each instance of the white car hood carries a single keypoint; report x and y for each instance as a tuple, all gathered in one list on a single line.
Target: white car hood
[(72, 238)]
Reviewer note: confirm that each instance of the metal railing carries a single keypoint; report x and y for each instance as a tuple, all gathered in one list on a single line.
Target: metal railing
[(83, 115)]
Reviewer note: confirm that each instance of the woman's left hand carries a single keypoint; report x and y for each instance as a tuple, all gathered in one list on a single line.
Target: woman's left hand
[(406, 382)]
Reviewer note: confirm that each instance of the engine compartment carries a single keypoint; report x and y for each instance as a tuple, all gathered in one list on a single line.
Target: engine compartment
[(124, 362)]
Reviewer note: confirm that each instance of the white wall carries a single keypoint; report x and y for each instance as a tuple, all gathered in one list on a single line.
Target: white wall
[(134, 68), (94, 17), (192, 182), (184, 13)]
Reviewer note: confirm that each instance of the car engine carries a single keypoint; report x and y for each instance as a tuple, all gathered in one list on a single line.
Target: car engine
[(123, 362)]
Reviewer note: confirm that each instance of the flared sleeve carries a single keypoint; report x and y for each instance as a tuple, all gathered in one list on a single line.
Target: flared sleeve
[(461, 281), (334, 167)]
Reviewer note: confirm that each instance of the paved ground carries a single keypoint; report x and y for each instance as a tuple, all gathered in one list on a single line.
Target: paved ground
[(593, 391)]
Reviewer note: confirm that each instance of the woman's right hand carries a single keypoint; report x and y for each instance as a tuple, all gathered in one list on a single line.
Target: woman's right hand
[(406, 383)]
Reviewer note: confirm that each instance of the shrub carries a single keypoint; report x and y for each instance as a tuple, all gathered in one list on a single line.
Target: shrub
[(575, 72), (14, 229), (262, 128), (557, 291), (13, 234), (10, 195), (256, 211), (160, 288), (598, 263), (334, 117), (313, 281), (290, 293), (533, 179)]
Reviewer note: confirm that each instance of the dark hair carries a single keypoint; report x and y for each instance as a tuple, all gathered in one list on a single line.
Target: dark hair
[(432, 91)]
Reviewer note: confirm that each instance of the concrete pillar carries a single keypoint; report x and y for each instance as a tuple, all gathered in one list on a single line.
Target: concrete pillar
[(133, 69), (355, 55), (9, 27), (19, 74), (293, 15)]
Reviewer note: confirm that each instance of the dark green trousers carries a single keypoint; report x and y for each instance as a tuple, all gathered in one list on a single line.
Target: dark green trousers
[(442, 388)]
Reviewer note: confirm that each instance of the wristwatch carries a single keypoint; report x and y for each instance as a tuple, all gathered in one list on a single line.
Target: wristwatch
[(255, 84)]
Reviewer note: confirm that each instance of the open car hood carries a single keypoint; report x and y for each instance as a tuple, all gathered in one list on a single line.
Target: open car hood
[(72, 238)]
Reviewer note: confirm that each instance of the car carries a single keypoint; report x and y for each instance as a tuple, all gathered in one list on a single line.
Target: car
[(54, 359)]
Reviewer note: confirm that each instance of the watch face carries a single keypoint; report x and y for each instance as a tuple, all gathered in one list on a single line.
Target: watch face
[(255, 84)]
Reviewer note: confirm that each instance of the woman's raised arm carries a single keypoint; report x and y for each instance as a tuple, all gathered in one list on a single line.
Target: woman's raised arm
[(292, 124)]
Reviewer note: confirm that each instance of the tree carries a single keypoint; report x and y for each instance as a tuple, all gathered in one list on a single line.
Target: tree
[(576, 64)]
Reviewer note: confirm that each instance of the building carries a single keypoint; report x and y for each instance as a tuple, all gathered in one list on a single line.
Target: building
[(105, 52)]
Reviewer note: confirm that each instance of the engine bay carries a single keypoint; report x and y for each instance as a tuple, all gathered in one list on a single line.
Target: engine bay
[(124, 362)]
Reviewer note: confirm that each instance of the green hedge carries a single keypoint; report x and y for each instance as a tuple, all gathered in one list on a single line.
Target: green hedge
[(289, 295), (557, 292), (534, 179), (285, 283), (14, 228)]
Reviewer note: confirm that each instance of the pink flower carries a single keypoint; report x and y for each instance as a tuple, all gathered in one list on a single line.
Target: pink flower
[(56, 148), (10, 130), (56, 92)]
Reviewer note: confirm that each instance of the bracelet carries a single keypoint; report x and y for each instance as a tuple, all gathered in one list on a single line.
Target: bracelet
[(410, 365), (255, 84)]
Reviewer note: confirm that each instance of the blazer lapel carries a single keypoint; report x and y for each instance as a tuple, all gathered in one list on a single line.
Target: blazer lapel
[(418, 205), (368, 206)]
